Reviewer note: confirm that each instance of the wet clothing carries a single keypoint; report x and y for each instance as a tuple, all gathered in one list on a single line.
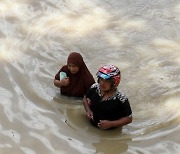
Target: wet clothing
[(79, 82), (113, 108)]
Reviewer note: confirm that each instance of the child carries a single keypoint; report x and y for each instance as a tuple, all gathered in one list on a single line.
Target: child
[(105, 106), (78, 78)]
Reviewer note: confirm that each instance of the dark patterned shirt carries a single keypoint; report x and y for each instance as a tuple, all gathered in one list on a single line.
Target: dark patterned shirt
[(113, 108)]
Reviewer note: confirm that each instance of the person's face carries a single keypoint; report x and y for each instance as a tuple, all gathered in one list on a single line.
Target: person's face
[(73, 68), (105, 85)]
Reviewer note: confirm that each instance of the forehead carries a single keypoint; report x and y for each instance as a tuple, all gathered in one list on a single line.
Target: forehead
[(106, 80), (72, 65)]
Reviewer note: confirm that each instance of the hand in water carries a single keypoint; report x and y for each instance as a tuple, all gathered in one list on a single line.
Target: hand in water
[(105, 124), (89, 115)]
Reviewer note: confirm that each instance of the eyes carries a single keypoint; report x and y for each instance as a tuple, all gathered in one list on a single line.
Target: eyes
[(73, 68), (70, 65)]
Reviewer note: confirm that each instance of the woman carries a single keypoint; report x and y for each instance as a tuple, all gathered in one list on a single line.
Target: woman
[(78, 78)]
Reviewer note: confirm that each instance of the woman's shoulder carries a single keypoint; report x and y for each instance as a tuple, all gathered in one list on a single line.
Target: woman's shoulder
[(64, 68)]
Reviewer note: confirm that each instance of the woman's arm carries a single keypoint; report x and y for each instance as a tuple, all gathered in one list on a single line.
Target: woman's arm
[(57, 83), (61, 83)]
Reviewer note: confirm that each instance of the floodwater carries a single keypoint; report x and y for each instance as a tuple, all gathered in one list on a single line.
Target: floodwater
[(141, 37)]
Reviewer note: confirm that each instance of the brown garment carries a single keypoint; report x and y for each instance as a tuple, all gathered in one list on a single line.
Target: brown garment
[(79, 82)]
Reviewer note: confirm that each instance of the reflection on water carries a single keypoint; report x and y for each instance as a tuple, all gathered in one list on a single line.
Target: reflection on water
[(141, 38)]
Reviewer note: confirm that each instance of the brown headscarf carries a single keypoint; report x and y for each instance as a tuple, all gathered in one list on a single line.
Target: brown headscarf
[(79, 82)]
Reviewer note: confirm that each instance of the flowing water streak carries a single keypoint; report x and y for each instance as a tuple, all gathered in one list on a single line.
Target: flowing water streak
[(141, 38)]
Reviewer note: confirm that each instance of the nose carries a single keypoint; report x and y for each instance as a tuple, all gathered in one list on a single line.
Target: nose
[(71, 68)]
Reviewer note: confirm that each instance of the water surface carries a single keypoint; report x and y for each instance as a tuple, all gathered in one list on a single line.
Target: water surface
[(141, 37)]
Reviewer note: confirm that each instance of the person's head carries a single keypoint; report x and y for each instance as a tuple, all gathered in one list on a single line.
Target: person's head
[(75, 62), (108, 77)]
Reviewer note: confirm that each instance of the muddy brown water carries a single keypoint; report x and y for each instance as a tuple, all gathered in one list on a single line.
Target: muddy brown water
[(141, 37)]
